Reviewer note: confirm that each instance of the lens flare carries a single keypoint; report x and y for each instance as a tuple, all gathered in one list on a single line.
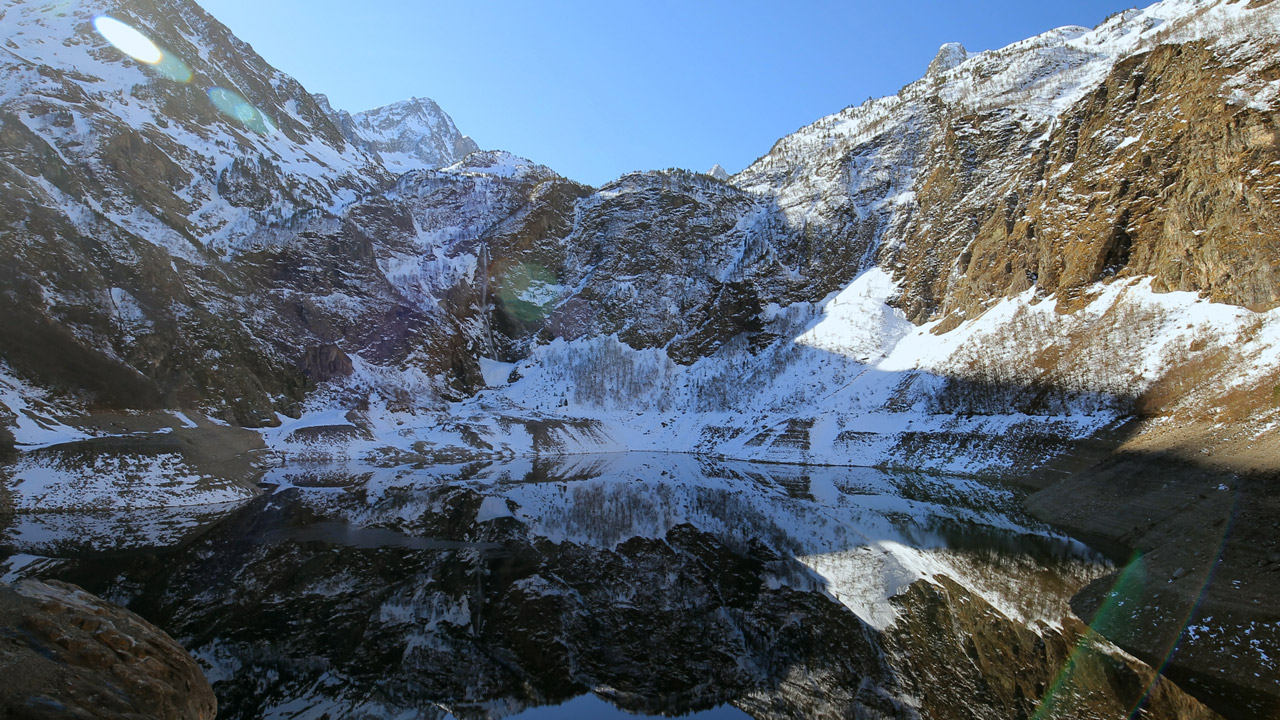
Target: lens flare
[(527, 291), (128, 40), (173, 68), (1109, 617), (234, 106), (1113, 617), (133, 43)]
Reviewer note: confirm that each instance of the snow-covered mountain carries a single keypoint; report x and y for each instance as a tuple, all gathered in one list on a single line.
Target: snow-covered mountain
[(932, 278), (865, 279), (413, 134), (167, 224), (1026, 252)]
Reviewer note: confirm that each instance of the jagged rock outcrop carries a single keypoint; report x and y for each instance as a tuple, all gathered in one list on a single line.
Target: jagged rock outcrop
[(67, 654), (650, 257)]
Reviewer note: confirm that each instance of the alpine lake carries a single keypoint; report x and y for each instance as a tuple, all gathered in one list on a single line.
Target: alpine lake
[(629, 585)]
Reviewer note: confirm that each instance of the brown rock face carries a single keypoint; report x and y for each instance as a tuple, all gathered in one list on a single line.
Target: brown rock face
[(1159, 172), (67, 654)]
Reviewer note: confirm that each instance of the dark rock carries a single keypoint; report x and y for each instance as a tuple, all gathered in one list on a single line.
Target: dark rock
[(67, 654)]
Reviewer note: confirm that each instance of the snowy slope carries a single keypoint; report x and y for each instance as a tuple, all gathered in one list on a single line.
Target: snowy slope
[(216, 112), (199, 231)]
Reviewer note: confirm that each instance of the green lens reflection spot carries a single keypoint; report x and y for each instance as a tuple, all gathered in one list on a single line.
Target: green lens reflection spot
[(173, 68), (234, 106), (528, 291)]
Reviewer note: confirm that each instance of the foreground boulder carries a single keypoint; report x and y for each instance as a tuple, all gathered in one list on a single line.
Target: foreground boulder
[(67, 654)]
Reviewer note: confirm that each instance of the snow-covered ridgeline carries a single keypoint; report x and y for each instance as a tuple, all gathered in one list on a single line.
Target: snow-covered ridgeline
[(233, 188), (863, 161), (1038, 78)]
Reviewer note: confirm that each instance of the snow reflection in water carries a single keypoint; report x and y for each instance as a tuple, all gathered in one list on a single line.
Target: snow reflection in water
[(661, 583)]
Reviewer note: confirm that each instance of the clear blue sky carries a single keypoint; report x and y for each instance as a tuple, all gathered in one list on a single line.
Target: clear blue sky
[(597, 88)]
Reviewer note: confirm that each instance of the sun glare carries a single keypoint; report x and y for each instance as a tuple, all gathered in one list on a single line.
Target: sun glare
[(128, 40)]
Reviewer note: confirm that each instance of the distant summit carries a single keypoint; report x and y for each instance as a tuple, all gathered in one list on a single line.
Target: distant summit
[(949, 55), (718, 172), (413, 134)]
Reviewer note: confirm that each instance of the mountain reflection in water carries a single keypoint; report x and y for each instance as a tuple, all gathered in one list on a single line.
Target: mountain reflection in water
[(660, 584)]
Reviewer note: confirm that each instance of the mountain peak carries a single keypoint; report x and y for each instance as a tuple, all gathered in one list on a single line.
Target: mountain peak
[(421, 107), (949, 55), (718, 172), (411, 134)]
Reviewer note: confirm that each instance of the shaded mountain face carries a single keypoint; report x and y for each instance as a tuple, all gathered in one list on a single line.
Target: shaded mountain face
[(128, 186), (200, 231)]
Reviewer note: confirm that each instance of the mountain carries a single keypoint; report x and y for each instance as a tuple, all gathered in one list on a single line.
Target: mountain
[(413, 134), (190, 230), (984, 259), (1026, 243), (1057, 255)]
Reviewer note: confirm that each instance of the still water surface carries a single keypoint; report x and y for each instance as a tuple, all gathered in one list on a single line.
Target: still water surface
[(591, 586)]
